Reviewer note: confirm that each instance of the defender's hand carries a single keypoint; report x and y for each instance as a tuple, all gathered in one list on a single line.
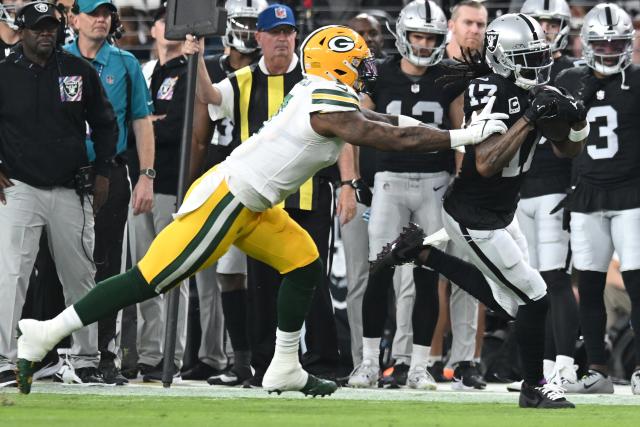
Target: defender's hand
[(100, 192), (4, 183), (481, 126)]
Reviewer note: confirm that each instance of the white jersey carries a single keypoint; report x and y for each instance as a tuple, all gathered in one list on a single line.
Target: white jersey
[(286, 151)]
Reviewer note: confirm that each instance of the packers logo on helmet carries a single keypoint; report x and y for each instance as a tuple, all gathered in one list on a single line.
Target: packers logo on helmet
[(338, 53)]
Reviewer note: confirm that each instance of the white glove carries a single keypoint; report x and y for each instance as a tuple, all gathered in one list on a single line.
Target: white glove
[(481, 126)]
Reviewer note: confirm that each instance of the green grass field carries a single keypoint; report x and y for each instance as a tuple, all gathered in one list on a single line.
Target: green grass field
[(52, 410)]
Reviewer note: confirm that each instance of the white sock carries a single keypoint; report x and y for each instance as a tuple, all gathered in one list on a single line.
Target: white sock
[(564, 361), (287, 345), (548, 367), (371, 350), (64, 324), (419, 356)]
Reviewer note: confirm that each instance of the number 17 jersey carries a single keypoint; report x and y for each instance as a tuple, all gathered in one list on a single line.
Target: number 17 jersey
[(489, 203)]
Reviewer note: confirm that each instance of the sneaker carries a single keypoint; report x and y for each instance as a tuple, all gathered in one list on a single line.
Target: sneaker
[(281, 377), (8, 378), (155, 375), (402, 250), (593, 382), (548, 396), (141, 368), (437, 372), (48, 366), (88, 376), (111, 374), (635, 382), (466, 376), (233, 377), (200, 371), (365, 375), (564, 376), (419, 378), (515, 386)]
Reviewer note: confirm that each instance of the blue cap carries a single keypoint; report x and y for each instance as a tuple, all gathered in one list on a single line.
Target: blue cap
[(274, 15), (88, 6)]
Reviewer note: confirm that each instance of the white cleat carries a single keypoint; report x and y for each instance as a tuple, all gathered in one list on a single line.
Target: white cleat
[(365, 375), (515, 386), (420, 379), (635, 382), (564, 377), (438, 239), (284, 377), (33, 340)]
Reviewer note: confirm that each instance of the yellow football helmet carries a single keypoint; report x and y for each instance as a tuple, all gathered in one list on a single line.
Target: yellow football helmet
[(336, 52)]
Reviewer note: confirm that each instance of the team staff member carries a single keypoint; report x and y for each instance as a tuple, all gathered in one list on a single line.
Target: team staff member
[(124, 83), (37, 169), (250, 97)]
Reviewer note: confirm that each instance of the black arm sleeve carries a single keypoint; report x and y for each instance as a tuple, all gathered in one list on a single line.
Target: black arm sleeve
[(102, 120)]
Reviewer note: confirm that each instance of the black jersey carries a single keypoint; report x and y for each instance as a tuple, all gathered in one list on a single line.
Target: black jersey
[(5, 49), (420, 98), (549, 174), (607, 172), (489, 203)]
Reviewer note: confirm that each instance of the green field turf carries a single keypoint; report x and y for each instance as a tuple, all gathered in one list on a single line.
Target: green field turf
[(52, 410)]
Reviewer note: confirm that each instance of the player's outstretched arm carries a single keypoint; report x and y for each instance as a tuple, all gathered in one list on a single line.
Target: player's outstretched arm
[(495, 153), (363, 128)]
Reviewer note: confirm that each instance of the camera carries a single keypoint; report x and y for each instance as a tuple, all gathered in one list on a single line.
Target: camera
[(84, 181)]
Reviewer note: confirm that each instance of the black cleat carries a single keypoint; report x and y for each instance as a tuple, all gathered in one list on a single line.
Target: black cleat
[(403, 250), (318, 387), (467, 377), (547, 396)]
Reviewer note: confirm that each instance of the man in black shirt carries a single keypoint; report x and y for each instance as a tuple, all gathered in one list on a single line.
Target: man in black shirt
[(40, 167)]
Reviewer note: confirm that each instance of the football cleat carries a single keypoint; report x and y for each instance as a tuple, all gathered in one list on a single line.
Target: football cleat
[(403, 250), (467, 377), (365, 375), (635, 382), (233, 377), (593, 382), (419, 378), (282, 377), (548, 396), (515, 386), (564, 376), (33, 345)]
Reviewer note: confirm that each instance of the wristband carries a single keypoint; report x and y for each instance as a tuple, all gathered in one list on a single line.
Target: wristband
[(349, 182), (406, 121), (579, 135)]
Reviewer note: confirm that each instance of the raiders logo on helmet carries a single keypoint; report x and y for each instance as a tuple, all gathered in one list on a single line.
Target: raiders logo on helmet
[(492, 41)]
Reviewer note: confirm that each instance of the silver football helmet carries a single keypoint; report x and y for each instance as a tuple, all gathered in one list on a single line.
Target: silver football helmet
[(516, 46), (607, 39), (555, 10), (7, 14), (242, 19), (421, 16)]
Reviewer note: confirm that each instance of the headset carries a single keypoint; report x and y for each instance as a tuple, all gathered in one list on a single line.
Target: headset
[(116, 31)]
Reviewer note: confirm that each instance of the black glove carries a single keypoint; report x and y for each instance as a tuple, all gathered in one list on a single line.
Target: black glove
[(589, 85), (542, 102)]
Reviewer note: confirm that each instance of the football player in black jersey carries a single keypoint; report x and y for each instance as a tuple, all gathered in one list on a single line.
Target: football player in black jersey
[(543, 188), (231, 269), (480, 205), (9, 35), (605, 205), (408, 187)]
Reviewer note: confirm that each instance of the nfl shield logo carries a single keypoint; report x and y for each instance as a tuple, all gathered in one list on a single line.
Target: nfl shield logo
[(281, 12), (492, 41)]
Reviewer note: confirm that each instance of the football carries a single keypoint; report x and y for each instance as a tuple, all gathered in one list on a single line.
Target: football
[(553, 128)]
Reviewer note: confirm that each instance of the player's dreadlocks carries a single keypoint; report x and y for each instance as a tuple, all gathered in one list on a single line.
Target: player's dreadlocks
[(469, 66)]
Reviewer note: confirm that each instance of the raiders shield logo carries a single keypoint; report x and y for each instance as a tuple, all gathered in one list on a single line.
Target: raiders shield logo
[(70, 88), (492, 41)]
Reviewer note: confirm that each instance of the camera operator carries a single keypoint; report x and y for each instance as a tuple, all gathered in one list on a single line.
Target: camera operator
[(46, 96)]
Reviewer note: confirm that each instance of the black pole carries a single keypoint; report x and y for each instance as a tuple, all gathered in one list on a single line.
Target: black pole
[(173, 296)]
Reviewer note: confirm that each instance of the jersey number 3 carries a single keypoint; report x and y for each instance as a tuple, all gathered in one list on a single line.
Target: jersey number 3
[(607, 132)]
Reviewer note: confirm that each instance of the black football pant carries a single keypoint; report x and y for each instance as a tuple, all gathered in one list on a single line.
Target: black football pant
[(264, 282)]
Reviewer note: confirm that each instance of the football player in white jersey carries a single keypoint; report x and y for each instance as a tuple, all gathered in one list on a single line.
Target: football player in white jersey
[(236, 203)]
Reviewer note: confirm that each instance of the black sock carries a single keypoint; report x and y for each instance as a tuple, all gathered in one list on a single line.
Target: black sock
[(295, 295), (234, 307), (549, 339), (632, 284), (425, 309), (530, 325), (467, 276), (593, 316), (563, 311), (374, 303)]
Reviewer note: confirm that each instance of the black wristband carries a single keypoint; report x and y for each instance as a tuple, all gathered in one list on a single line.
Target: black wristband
[(350, 182)]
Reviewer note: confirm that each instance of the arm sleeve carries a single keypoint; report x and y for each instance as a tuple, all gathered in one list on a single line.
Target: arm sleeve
[(102, 120), (141, 104), (225, 109)]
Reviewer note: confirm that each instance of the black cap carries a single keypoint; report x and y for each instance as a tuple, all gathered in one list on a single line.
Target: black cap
[(33, 13)]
